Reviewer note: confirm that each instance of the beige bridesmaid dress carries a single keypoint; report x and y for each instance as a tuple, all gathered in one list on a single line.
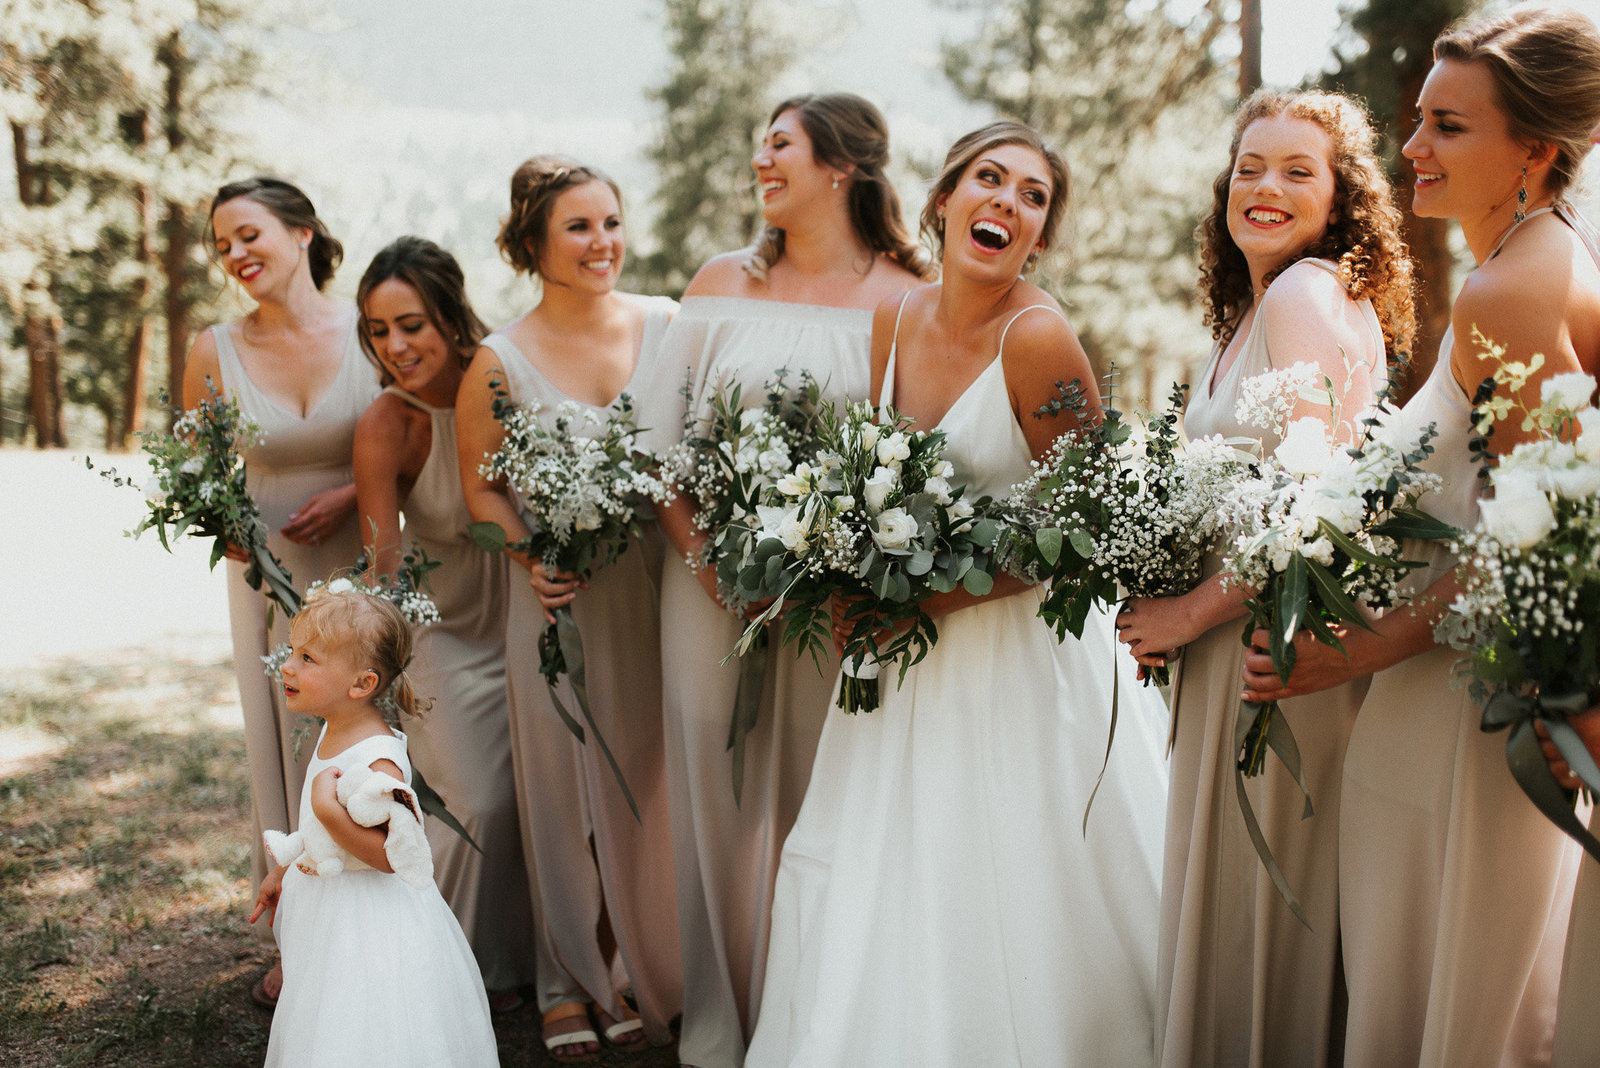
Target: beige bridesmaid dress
[(297, 458), (568, 794), (1241, 980), (726, 853), (462, 745)]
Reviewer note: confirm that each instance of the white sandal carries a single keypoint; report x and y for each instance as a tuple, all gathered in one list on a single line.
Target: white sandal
[(570, 1010)]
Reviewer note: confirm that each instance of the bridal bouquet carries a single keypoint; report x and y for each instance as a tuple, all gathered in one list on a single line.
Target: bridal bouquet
[(1529, 610), (197, 487), (1113, 512), (1317, 534), (875, 521), (588, 495), (726, 461)]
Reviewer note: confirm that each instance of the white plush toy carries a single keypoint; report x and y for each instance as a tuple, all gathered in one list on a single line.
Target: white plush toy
[(373, 798)]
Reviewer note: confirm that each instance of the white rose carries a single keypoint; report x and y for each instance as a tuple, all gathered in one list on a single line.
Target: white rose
[(1575, 480), (869, 436), (783, 524), (588, 517), (153, 491), (1304, 449), (1567, 392), (893, 449), (894, 529), (1518, 514), (752, 419), (939, 488), (1588, 443), (340, 585), (799, 483), (878, 487), (192, 466), (946, 469), (1320, 550)]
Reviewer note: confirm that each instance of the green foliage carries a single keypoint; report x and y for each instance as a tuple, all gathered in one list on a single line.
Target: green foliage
[(715, 102)]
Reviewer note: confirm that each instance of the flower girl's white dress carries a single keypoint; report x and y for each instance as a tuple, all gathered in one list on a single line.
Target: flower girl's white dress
[(375, 970), (938, 902)]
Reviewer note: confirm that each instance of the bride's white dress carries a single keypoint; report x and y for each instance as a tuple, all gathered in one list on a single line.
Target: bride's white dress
[(938, 902)]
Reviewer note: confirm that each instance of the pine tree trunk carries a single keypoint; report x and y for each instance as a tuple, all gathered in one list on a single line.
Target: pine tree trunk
[(136, 129), (41, 330), (177, 304), (1249, 47)]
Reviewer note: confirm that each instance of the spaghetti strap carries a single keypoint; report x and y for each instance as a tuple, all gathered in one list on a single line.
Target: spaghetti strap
[(895, 339), (886, 392), (1017, 316)]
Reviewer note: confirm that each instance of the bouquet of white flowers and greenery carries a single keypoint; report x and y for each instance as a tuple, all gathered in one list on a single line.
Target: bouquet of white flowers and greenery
[(874, 521), (1529, 610), (1317, 534), (1116, 511), (588, 496), (727, 460), (197, 487)]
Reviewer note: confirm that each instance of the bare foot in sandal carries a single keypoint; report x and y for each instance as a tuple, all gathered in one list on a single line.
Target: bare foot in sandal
[(569, 1035), (268, 987), (626, 1033)]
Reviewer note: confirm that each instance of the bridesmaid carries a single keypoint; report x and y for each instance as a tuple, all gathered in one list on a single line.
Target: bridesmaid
[(1301, 261), (1577, 1027), (1454, 890), (584, 343), (801, 299), (419, 330), (295, 368)]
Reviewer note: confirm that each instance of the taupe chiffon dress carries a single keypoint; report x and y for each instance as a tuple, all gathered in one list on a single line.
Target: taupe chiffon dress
[(567, 791), (463, 743), (299, 457), (727, 854), (1242, 981), (1455, 891)]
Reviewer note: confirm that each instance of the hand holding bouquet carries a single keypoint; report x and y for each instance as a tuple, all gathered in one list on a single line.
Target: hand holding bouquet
[(198, 488), (588, 496), (875, 521), (1529, 610), (726, 461), (1317, 534)]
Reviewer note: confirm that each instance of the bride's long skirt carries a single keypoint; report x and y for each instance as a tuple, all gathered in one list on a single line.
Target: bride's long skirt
[(938, 901)]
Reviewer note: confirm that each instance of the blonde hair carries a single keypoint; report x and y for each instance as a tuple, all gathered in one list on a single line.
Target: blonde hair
[(849, 133), (375, 635), (1364, 241), (534, 187), (1545, 64)]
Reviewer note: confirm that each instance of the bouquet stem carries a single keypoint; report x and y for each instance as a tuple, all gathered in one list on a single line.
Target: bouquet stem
[(1254, 732), (747, 704), (858, 684)]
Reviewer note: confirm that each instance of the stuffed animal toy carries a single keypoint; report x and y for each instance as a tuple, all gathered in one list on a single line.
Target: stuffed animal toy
[(373, 798)]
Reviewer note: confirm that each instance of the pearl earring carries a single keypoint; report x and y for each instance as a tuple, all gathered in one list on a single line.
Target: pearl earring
[(836, 183)]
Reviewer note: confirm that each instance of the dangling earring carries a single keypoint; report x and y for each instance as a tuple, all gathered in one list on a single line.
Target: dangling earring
[(836, 182), (1522, 198), (1033, 258)]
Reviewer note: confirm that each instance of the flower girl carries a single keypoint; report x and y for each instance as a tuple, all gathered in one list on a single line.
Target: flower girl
[(376, 969)]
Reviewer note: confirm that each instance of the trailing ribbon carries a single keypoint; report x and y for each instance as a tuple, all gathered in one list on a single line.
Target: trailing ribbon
[(747, 705), (1111, 736), (561, 651), (1525, 757), (1252, 736)]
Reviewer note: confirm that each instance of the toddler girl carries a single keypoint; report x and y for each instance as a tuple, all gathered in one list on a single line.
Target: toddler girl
[(376, 969)]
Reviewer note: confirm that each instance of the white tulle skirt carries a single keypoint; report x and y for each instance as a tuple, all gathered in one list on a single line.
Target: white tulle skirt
[(375, 972)]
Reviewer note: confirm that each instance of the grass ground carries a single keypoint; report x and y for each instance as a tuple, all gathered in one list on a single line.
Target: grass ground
[(124, 872)]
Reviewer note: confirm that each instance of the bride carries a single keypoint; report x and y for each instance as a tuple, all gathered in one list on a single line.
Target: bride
[(937, 903)]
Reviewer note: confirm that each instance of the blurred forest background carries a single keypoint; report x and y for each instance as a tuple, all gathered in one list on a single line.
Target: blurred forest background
[(125, 116)]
